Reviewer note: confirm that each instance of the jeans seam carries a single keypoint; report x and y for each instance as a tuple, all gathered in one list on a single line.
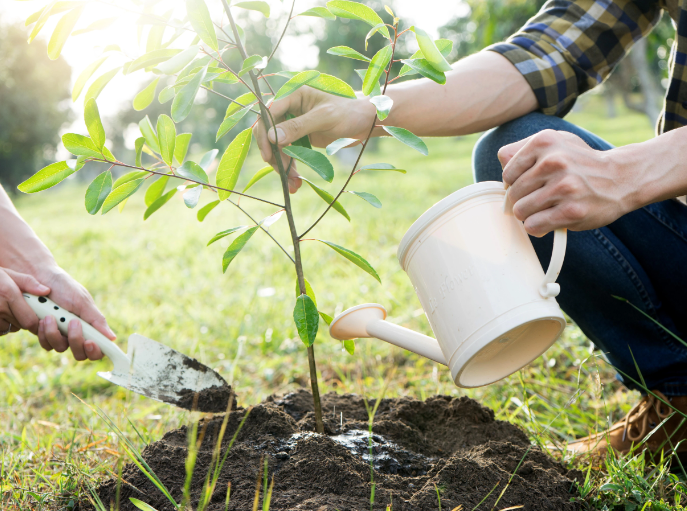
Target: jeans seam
[(636, 281), (666, 221)]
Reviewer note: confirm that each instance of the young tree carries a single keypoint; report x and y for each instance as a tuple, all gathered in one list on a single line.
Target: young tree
[(216, 53)]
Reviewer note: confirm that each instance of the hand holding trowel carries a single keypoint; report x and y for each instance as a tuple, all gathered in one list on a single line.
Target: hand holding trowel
[(148, 368)]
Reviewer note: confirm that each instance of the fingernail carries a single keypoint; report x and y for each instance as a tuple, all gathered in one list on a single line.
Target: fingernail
[(88, 346), (43, 289), (112, 334), (280, 135)]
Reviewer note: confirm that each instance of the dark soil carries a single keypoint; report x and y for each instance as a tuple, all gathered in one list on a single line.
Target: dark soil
[(210, 400), (452, 445)]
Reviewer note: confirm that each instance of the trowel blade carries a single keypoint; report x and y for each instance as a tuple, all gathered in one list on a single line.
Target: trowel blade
[(161, 373)]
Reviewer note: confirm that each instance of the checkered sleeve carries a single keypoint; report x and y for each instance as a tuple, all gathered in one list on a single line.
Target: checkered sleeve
[(571, 46)]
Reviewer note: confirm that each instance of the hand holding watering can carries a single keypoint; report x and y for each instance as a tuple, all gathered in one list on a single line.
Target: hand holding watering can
[(487, 299)]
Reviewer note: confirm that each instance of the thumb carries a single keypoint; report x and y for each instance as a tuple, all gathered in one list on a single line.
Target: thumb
[(27, 283), (507, 152), (291, 130)]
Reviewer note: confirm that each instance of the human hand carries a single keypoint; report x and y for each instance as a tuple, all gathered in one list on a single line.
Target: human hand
[(557, 181), (72, 296), (322, 116)]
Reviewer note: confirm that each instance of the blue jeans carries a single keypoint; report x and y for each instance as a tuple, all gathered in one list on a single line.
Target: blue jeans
[(641, 257)]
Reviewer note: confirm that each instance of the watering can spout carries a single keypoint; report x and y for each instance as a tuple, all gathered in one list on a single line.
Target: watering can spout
[(368, 320)]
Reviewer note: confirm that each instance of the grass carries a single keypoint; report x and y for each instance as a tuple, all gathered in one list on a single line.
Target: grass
[(158, 278)]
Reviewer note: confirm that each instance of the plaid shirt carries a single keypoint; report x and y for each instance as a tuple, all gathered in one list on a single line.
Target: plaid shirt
[(571, 46)]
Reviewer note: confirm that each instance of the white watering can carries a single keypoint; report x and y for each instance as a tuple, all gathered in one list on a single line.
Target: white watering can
[(483, 290)]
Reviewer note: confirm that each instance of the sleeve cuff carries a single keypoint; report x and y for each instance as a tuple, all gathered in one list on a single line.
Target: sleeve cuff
[(552, 79)]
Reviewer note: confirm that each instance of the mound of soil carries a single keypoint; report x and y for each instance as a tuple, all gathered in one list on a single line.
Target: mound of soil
[(450, 445)]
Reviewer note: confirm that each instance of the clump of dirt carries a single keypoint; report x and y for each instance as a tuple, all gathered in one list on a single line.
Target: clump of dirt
[(211, 400), (450, 445)]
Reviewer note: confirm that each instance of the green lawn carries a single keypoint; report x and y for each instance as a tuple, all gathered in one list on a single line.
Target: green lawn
[(158, 278)]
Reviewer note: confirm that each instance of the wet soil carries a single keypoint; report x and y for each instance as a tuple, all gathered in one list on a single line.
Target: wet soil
[(450, 445)]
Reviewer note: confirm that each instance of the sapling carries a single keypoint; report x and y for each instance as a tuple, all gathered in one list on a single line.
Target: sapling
[(190, 48)]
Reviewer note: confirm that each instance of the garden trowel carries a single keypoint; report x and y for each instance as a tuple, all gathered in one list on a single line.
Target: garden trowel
[(148, 368)]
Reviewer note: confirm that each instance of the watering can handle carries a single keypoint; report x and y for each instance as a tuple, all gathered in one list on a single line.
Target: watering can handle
[(549, 288)]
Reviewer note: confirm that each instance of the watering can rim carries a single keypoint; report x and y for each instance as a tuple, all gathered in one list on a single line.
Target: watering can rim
[(441, 207)]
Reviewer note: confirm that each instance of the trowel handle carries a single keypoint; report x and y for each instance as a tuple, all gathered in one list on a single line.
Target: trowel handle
[(44, 307)]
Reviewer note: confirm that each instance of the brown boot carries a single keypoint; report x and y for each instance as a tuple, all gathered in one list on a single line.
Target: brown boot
[(641, 421)]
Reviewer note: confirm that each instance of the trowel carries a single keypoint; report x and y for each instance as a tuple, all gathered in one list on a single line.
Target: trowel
[(148, 368)]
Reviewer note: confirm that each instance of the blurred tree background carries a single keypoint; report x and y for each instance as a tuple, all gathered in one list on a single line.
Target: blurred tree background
[(34, 103), (35, 90)]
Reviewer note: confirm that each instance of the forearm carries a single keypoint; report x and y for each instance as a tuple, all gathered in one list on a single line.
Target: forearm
[(481, 92), (20, 249), (657, 169)]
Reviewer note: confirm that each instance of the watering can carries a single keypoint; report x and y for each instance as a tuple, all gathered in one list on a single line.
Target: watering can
[(489, 303)]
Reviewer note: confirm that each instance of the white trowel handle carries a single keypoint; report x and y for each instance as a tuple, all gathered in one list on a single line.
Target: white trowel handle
[(44, 307)]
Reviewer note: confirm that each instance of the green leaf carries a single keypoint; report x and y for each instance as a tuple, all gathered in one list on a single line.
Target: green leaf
[(374, 201), (223, 234), (356, 11), (148, 132), (167, 137), (318, 12), (144, 98), (178, 62), (354, 258), (240, 103), (423, 67), (155, 190), (77, 164), (339, 144), (203, 212), (139, 150), (253, 62), (191, 170), (376, 68), (408, 138), (229, 78), (158, 203), (129, 176), (154, 41), (199, 16), (349, 346), (232, 160), (444, 45), (327, 318), (306, 318), (295, 83), (328, 198), (46, 177), (100, 83), (62, 31), (313, 159), (304, 141), (41, 18), (141, 505), (376, 89), (381, 166), (332, 85), (94, 125), (101, 24), (152, 58), (97, 192), (430, 50), (167, 94), (372, 32), (181, 147), (345, 51), (262, 7), (383, 105), (85, 76), (80, 145), (258, 176), (236, 247), (121, 193), (308, 290), (207, 159), (183, 101), (230, 122)]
